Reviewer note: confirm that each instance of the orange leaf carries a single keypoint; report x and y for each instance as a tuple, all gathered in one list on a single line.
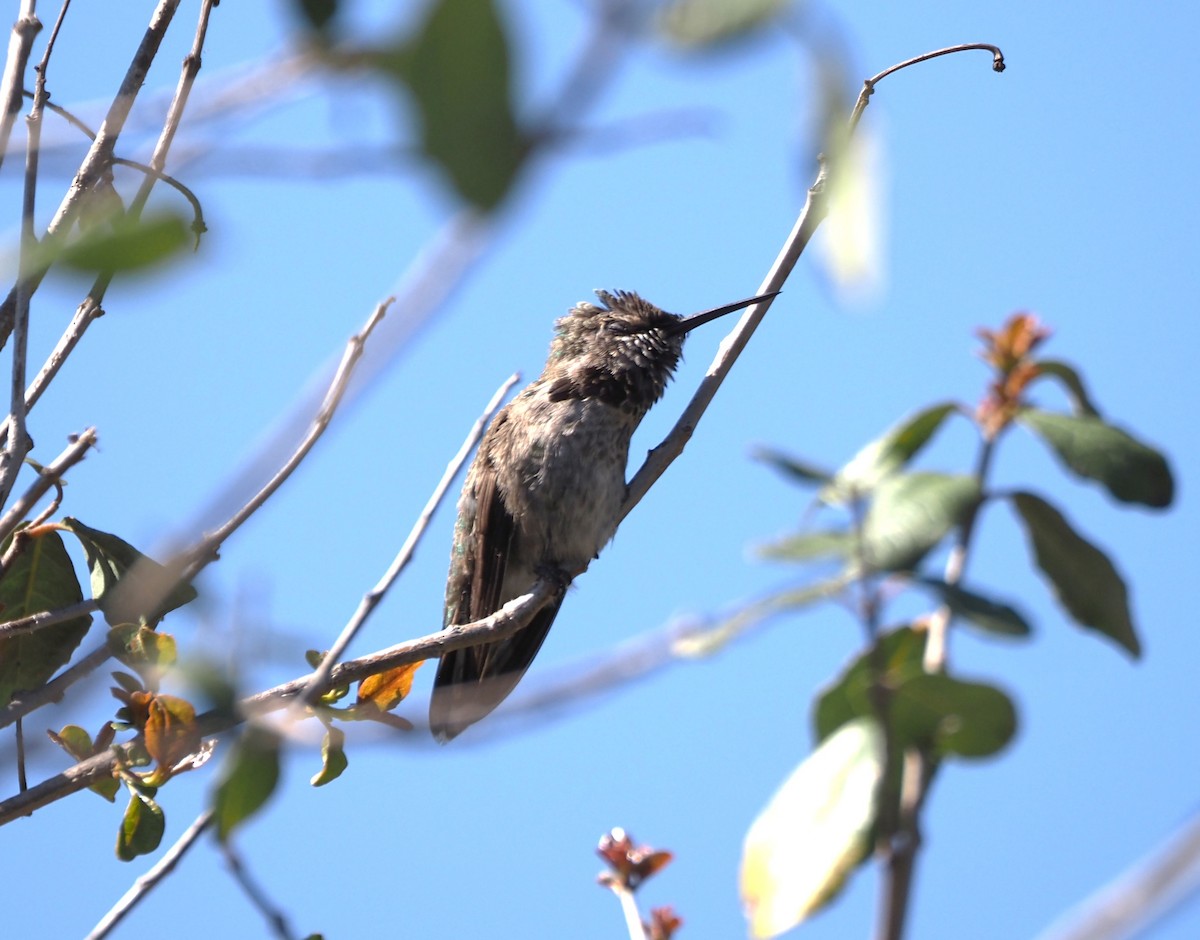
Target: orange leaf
[(386, 690), (171, 732)]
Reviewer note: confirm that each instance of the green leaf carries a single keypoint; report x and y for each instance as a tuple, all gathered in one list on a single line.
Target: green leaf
[(911, 514), (1130, 470), (835, 543), (815, 830), (967, 719), (1074, 384), (886, 455), (126, 245), (792, 467), (897, 657), (142, 826), (129, 587), (696, 23), (989, 615), (41, 577), (138, 646), (1085, 581), (333, 757), (249, 777), (456, 66)]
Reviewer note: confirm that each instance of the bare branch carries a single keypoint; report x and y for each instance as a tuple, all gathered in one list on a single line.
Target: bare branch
[(147, 882), (55, 689), (258, 898), (46, 478), (46, 618), (98, 157), (20, 43), (206, 549), (371, 600), (513, 616)]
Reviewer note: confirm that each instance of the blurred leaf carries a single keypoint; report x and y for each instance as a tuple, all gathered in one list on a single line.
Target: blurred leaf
[(1085, 581), (835, 543), (991, 616), (317, 14), (814, 831), (792, 467), (1074, 384), (705, 640), (1131, 471), (385, 690), (149, 594), (968, 719), (333, 757), (41, 577), (696, 23), (852, 250), (911, 514), (248, 779), (142, 827), (898, 658), (127, 245), (138, 646), (456, 66), (886, 455)]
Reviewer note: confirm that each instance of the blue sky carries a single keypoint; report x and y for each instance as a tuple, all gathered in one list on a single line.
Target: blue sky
[(1065, 186)]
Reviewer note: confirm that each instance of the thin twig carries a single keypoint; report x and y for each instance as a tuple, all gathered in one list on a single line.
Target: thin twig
[(269, 910), (54, 690), (372, 598), (147, 882), (633, 918), (206, 549), (513, 616), (46, 478), (99, 156), (46, 618), (20, 43)]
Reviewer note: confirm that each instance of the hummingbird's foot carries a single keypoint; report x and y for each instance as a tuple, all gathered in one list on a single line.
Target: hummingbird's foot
[(557, 576)]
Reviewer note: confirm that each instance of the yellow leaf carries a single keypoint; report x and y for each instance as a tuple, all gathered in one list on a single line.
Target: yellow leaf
[(815, 830), (385, 690)]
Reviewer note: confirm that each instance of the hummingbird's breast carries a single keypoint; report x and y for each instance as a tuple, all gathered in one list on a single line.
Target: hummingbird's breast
[(564, 477)]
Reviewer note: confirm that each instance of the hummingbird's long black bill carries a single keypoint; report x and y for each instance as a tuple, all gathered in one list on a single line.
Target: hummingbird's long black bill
[(699, 319)]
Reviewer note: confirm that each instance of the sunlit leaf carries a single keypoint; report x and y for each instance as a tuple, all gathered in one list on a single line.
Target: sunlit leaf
[(911, 514), (951, 716), (792, 467), (41, 577), (852, 247), (696, 23), (1073, 383), (142, 826), (128, 585), (78, 743), (248, 779), (814, 832), (171, 733), (333, 757), (887, 454), (385, 690), (456, 66), (1130, 470), (986, 613), (1084, 580), (138, 646)]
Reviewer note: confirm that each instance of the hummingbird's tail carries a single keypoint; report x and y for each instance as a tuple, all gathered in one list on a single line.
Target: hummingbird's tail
[(471, 682)]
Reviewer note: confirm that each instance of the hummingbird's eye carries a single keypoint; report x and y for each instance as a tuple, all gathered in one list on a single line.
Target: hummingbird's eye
[(617, 328)]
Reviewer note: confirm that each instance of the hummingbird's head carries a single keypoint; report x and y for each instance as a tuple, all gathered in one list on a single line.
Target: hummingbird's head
[(622, 352)]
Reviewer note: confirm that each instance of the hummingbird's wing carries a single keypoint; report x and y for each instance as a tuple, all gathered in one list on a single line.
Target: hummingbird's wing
[(471, 682)]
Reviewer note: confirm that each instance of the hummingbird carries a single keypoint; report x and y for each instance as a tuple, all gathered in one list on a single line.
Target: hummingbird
[(545, 490)]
